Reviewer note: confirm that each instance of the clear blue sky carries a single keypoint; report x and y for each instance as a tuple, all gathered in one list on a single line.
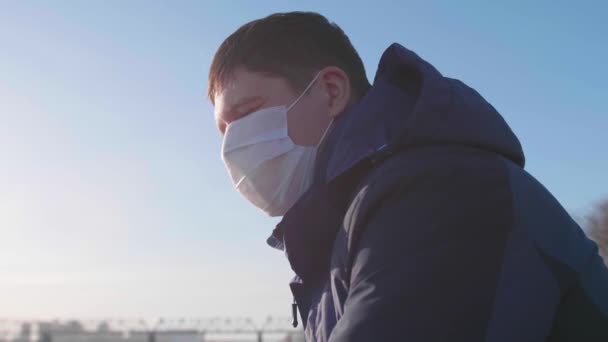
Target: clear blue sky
[(113, 197)]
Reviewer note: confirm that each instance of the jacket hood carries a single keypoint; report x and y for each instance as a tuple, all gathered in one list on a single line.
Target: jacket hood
[(411, 104)]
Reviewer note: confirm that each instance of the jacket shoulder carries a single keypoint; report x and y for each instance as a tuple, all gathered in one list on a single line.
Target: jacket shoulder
[(438, 179)]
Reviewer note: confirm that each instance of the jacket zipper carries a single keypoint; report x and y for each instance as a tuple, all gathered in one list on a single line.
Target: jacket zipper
[(294, 313)]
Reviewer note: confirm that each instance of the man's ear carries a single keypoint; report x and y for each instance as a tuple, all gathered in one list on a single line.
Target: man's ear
[(336, 86)]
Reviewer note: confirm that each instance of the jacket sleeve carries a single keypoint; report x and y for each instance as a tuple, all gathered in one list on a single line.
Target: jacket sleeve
[(427, 263)]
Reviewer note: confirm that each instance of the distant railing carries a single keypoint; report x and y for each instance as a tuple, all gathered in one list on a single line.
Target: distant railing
[(140, 330)]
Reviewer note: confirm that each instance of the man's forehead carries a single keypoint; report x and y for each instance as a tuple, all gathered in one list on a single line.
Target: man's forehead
[(237, 85), (231, 89), (231, 94), (237, 90)]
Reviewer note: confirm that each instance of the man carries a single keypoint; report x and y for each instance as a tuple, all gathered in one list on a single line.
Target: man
[(407, 214)]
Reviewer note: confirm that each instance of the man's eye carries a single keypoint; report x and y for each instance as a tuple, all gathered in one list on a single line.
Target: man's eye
[(250, 110)]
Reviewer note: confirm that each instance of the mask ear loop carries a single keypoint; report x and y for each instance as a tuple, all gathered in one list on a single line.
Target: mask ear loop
[(302, 95), (325, 133), (304, 92)]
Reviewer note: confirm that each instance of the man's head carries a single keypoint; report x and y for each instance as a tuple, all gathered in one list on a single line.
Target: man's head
[(270, 61)]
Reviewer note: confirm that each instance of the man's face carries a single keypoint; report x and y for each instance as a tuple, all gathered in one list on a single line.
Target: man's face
[(247, 92)]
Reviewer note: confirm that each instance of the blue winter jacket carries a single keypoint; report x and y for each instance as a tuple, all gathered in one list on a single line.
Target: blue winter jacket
[(422, 225)]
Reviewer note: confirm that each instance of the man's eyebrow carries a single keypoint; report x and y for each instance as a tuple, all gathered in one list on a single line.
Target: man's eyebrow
[(232, 113)]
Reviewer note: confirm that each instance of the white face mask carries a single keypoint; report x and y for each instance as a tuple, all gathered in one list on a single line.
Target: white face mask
[(265, 165)]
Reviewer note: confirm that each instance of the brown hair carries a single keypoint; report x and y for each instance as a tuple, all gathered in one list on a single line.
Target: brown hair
[(290, 45)]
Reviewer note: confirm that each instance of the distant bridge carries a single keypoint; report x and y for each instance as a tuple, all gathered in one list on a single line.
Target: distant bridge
[(141, 330)]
